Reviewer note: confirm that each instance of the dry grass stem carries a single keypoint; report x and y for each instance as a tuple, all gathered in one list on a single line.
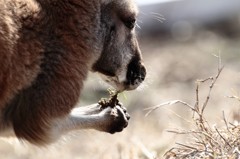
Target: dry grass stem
[(234, 97), (205, 141), (151, 109)]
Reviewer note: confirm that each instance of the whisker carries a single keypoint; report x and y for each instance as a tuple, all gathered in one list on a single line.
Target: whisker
[(158, 15), (138, 26), (153, 15), (160, 20)]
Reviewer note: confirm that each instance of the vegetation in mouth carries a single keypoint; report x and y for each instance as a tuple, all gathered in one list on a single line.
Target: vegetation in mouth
[(112, 101)]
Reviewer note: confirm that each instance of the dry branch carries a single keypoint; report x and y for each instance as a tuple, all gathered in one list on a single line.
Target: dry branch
[(208, 142)]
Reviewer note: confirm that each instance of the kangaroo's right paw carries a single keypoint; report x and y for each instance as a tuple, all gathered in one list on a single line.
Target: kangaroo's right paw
[(115, 119)]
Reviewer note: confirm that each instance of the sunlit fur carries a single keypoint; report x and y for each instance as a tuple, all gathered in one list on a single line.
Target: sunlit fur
[(47, 48)]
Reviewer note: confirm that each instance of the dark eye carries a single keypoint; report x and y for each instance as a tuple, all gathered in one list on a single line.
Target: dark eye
[(130, 23)]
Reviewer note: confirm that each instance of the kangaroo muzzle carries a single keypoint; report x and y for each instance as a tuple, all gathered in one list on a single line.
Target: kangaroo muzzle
[(136, 73)]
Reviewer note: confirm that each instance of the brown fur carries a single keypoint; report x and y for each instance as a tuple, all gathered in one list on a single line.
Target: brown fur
[(46, 50)]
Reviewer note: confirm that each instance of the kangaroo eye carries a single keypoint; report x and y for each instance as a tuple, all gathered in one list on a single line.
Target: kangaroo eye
[(130, 23)]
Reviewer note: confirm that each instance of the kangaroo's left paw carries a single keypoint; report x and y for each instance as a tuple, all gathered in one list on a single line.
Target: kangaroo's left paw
[(116, 118)]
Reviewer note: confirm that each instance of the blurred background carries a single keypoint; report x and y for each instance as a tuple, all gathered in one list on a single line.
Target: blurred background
[(180, 40)]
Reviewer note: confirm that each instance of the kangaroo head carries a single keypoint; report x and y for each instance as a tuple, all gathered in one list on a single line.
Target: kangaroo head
[(120, 62)]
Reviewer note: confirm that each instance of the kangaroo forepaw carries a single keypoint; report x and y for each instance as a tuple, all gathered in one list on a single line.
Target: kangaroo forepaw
[(117, 118)]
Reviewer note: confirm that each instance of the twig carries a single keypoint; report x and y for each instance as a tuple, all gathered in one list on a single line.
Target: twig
[(234, 97), (225, 121), (210, 89), (179, 116), (170, 152), (190, 147), (222, 137), (197, 100), (207, 141), (151, 109), (193, 132), (233, 125)]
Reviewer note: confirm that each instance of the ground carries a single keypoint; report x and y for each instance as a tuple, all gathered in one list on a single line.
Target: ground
[(173, 68)]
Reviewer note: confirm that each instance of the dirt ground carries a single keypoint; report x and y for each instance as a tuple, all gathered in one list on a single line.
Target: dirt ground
[(173, 68)]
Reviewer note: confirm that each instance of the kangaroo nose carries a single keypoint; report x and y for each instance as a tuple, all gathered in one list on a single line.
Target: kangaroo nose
[(143, 73), (136, 74)]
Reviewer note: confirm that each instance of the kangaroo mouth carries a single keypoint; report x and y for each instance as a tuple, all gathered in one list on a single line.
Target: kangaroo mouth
[(133, 77)]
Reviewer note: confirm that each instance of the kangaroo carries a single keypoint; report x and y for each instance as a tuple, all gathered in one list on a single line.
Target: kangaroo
[(47, 48)]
